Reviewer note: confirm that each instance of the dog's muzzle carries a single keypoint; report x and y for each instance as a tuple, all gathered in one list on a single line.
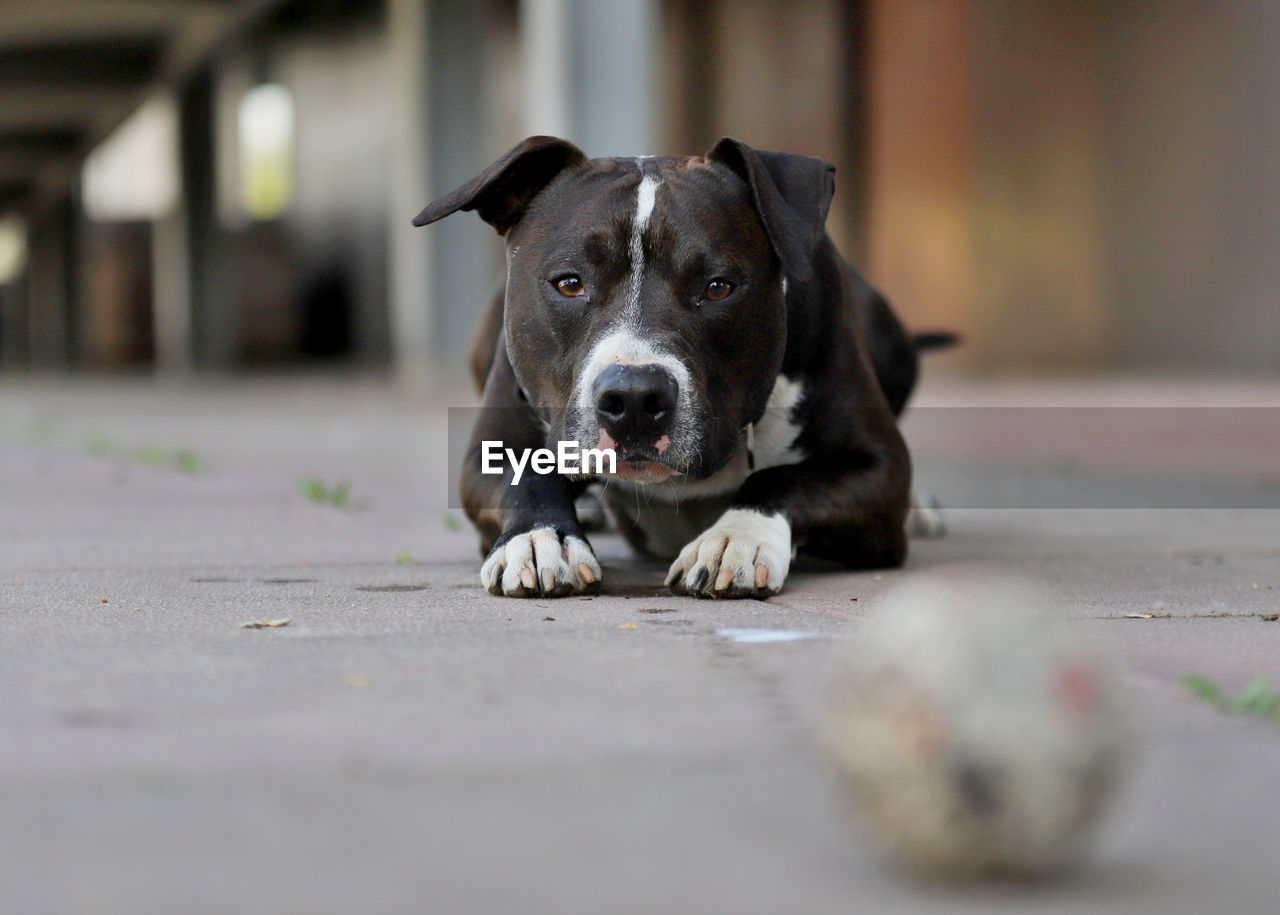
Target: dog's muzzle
[(636, 406)]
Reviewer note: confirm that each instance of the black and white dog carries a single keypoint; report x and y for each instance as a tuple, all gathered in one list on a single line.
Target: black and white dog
[(690, 317)]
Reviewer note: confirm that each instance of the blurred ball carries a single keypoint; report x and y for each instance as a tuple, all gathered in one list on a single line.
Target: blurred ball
[(974, 736)]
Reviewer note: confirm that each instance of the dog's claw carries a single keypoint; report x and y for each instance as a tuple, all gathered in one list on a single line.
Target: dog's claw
[(746, 554), (539, 563)]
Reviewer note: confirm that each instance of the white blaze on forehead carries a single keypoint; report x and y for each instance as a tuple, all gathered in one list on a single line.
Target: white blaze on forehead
[(646, 195), (625, 345)]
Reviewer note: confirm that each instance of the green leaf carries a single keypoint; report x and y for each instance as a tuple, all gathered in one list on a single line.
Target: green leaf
[(340, 494), (1258, 698), (151, 455), (187, 461), (98, 445), (1204, 688), (319, 493), (313, 489)]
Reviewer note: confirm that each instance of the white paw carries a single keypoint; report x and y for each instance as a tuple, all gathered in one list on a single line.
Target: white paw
[(744, 554), (541, 564), (925, 519)]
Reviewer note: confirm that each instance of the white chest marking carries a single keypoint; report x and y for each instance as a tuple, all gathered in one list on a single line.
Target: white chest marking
[(775, 434)]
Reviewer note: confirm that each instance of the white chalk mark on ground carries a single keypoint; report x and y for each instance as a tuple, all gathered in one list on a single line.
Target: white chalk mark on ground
[(757, 636)]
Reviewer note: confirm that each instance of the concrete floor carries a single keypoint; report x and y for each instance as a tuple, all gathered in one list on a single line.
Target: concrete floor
[(410, 744)]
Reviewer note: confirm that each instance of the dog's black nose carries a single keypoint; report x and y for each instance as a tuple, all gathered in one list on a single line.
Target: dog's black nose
[(636, 404)]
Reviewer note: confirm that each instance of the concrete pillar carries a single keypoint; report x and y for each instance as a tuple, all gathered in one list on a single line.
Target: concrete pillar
[(439, 276), (51, 288), (409, 250), (171, 295), (466, 258), (14, 333), (597, 90), (171, 292), (591, 73), (210, 330), (544, 29)]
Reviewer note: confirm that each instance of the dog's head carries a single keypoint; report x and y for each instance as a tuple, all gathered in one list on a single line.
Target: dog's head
[(646, 298)]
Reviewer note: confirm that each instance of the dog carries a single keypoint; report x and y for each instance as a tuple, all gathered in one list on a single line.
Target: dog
[(689, 318)]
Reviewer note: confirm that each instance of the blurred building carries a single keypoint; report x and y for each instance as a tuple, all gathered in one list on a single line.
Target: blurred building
[(227, 184)]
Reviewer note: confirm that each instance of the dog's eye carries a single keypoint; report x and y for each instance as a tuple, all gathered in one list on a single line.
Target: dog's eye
[(717, 289), (570, 286)]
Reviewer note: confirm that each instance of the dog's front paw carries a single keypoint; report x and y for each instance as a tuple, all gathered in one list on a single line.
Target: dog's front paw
[(541, 563), (744, 554)]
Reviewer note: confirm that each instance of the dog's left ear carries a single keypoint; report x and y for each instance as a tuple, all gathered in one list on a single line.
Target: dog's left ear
[(502, 191), (792, 194)]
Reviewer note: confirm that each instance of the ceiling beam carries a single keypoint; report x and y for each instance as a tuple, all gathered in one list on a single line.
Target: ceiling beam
[(27, 22), (122, 62), (83, 66)]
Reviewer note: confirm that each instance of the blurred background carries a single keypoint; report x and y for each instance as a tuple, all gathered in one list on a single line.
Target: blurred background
[(228, 371), (226, 186)]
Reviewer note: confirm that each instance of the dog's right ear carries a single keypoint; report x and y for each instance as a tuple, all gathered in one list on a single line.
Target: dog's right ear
[(502, 191)]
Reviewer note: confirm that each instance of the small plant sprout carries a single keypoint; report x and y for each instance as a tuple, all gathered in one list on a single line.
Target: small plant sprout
[(151, 455), (318, 492), (1259, 699), (340, 494), (98, 445), (314, 490), (187, 461)]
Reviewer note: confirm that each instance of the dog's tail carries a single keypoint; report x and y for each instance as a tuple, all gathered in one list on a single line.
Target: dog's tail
[(934, 339)]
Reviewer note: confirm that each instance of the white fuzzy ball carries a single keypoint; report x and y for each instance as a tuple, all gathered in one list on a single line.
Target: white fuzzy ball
[(975, 734)]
